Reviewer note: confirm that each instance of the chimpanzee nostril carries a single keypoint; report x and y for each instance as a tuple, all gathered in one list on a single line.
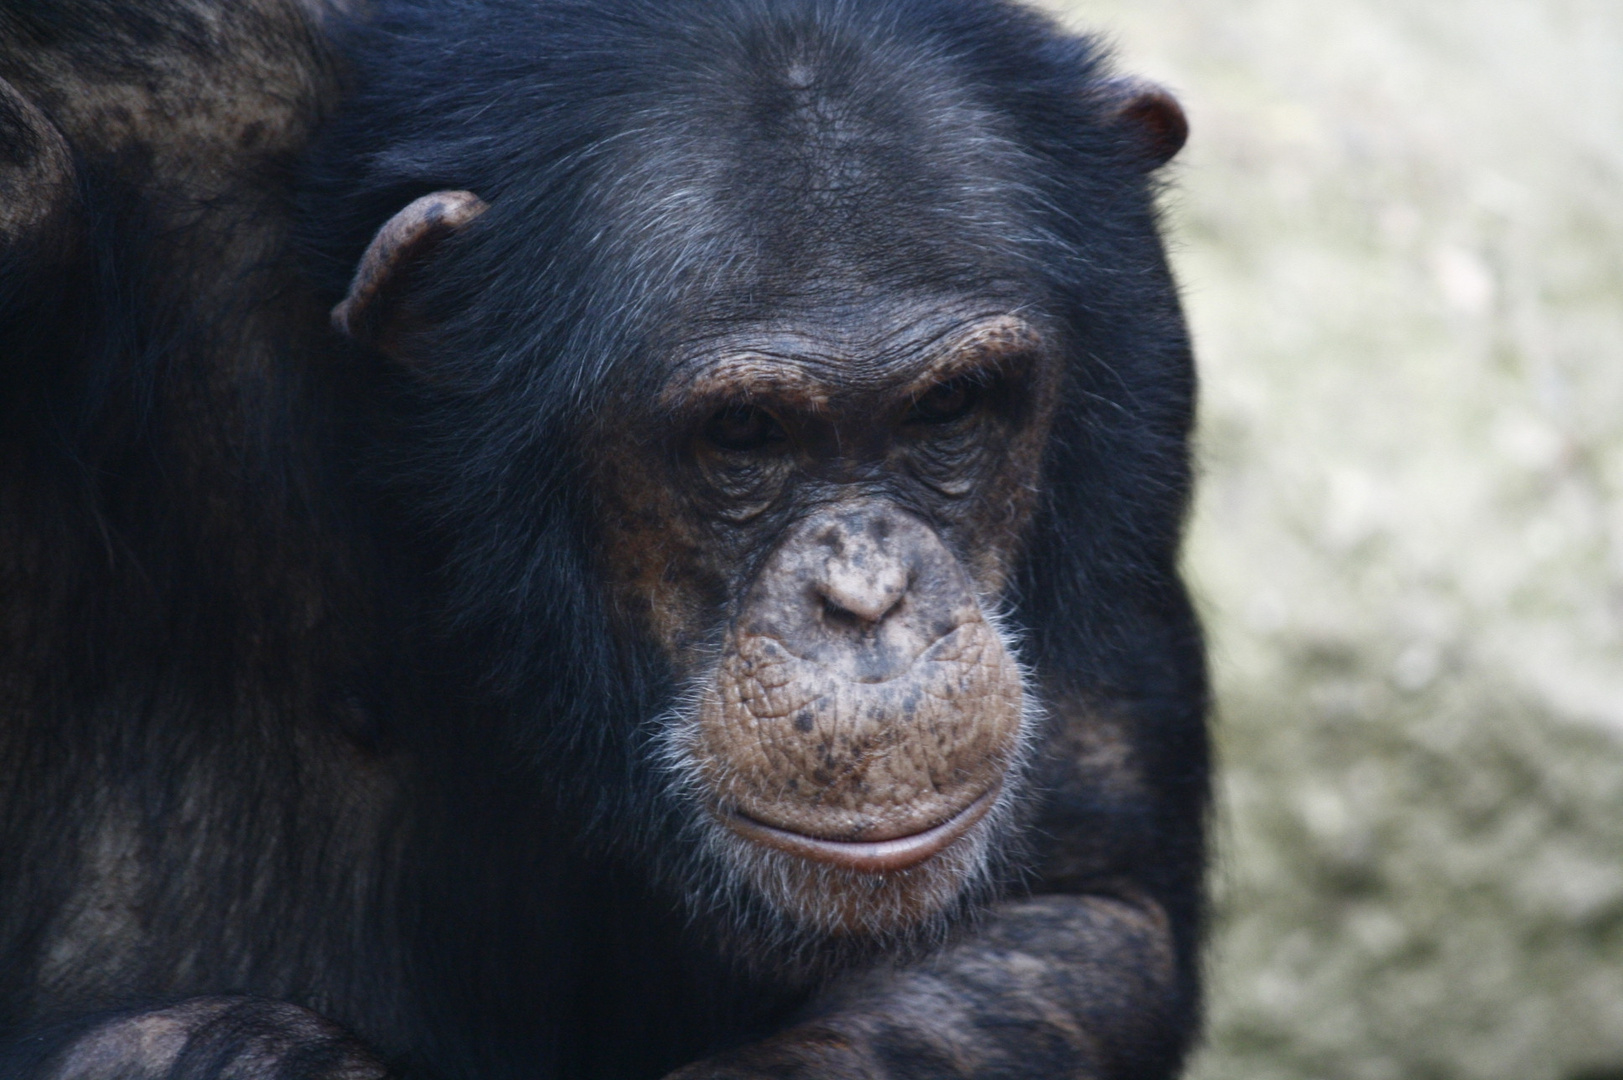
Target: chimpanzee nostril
[(868, 590), (861, 591)]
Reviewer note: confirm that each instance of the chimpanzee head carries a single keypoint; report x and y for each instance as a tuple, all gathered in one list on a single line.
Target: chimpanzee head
[(741, 369)]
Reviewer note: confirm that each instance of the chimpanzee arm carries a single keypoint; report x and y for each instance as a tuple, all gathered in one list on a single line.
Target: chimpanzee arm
[(1055, 986), (206, 1038), (1093, 976)]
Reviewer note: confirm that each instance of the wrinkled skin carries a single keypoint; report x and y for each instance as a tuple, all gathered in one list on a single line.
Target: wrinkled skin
[(862, 695), (863, 712)]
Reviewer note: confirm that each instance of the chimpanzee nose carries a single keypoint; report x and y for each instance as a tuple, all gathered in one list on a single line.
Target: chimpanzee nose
[(865, 565), (861, 589), (868, 592)]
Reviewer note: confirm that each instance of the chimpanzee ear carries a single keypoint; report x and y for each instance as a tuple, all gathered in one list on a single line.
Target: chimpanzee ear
[(367, 314), (1152, 112)]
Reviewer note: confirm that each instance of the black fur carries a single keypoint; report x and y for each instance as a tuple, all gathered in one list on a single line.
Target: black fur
[(309, 690)]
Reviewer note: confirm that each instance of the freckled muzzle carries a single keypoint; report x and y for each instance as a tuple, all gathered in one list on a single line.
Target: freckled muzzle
[(866, 712)]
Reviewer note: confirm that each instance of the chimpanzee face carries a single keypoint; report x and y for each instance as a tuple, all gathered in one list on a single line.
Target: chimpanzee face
[(813, 515), (809, 487), (817, 530)]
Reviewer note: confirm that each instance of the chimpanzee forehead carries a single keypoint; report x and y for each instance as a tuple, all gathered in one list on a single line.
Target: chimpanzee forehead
[(812, 164)]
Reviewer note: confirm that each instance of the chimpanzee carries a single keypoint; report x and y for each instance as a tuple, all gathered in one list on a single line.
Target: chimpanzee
[(590, 538)]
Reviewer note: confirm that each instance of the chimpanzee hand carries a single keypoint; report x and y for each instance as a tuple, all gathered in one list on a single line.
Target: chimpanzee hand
[(213, 1038)]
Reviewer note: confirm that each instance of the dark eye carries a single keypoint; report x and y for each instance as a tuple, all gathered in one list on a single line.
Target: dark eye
[(946, 402), (743, 428)]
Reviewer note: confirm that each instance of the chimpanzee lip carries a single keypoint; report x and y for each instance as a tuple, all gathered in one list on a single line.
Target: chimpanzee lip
[(867, 856)]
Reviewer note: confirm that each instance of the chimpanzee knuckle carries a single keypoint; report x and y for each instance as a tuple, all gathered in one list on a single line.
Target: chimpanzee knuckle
[(218, 1038)]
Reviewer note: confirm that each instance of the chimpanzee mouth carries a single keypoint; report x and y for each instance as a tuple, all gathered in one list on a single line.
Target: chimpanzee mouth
[(867, 856)]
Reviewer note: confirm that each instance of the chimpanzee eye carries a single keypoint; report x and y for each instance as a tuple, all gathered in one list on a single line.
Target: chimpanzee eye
[(743, 428), (946, 402)]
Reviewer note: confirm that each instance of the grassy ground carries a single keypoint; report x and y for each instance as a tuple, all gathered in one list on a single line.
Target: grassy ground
[(1400, 229)]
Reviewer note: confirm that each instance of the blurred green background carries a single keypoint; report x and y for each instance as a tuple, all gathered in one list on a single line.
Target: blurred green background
[(1399, 227)]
